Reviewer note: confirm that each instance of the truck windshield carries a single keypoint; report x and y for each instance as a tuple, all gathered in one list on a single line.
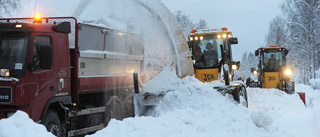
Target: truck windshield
[(272, 60), (13, 52), (207, 52)]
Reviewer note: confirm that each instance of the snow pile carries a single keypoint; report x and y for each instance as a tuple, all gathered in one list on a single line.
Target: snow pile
[(20, 125), (191, 109), (287, 111), (312, 101), (261, 119), (164, 81)]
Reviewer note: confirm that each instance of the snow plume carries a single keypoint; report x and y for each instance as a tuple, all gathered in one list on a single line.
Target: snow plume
[(134, 18)]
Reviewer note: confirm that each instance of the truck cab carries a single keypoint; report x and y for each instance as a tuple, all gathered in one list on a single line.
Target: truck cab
[(29, 72)]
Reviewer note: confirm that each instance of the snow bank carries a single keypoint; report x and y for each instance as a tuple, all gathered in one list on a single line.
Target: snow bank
[(190, 109), (287, 111), (312, 101), (20, 125)]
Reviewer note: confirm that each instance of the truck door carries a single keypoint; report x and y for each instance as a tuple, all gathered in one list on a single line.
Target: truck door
[(43, 83)]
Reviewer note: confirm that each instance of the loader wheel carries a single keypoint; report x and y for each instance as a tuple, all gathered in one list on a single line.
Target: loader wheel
[(243, 96), (52, 123), (236, 94)]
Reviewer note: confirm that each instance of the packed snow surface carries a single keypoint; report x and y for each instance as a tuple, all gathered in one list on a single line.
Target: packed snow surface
[(192, 108)]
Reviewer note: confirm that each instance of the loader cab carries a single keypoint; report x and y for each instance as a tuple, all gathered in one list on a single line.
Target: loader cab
[(210, 50), (272, 59), (272, 67), (207, 52)]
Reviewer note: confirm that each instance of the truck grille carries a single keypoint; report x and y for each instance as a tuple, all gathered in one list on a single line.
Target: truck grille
[(5, 95)]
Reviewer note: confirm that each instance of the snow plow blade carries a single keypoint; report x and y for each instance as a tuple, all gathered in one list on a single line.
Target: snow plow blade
[(239, 93)]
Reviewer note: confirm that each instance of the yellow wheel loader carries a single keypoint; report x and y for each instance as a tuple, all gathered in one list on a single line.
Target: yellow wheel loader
[(273, 71), (212, 59)]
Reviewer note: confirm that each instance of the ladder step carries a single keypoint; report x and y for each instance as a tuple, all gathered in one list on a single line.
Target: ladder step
[(85, 130)]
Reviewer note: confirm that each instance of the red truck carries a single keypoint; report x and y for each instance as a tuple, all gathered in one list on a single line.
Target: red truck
[(71, 77)]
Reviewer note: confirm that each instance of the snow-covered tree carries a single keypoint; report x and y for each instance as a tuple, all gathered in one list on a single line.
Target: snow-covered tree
[(8, 5), (277, 34), (202, 24), (302, 18), (187, 24)]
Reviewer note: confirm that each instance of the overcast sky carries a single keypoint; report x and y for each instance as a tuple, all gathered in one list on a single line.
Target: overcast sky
[(247, 19)]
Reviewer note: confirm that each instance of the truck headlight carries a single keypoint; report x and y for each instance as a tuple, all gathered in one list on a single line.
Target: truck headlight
[(5, 72)]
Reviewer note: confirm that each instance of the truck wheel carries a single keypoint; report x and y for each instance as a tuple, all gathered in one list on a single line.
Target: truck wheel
[(52, 123), (243, 96)]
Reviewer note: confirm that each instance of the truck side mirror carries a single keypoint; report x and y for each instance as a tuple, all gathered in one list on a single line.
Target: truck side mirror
[(257, 52), (45, 55), (233, 40)]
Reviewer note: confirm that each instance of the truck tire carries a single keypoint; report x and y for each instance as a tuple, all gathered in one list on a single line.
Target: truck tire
[(52, 123), (114, 110)]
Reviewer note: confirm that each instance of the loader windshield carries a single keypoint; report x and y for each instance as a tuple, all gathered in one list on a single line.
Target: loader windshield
[(13, 52), (272, 60), (207, 52)]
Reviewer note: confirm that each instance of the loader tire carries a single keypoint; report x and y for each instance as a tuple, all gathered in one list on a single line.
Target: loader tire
[(243, 96), (53, 124), (236, 94)]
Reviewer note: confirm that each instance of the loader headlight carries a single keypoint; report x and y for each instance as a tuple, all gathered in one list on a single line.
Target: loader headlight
[(191, 38), (234, 67), (196, 38), (219, 36), (224, 36), (255, 72), (201, 37), (288, 72), (5, 72)]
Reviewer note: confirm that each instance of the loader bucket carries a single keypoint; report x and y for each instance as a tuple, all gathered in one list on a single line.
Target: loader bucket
[(302, 97)]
